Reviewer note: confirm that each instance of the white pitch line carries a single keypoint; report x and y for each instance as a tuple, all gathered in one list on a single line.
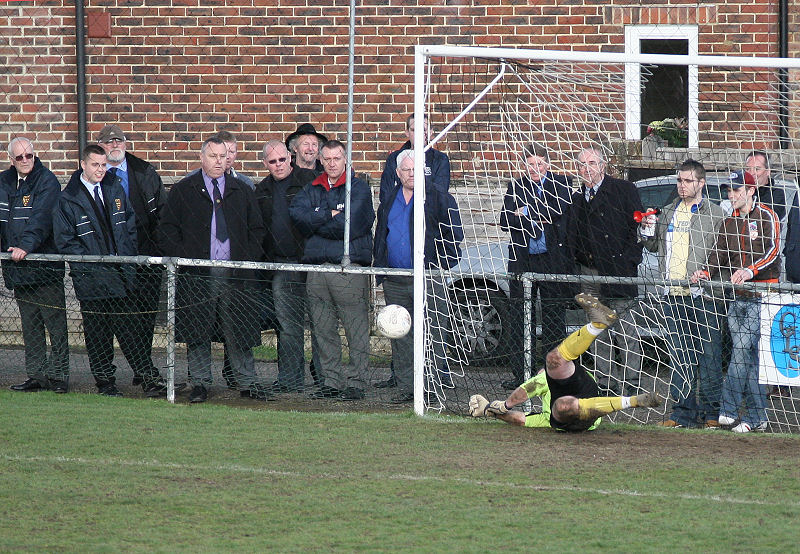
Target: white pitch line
[(393, 477)]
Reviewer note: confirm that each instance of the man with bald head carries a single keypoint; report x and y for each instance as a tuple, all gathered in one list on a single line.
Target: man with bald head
[(28, 193), (283, 243)]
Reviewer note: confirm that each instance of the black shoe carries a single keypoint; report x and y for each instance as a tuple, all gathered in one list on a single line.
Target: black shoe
[(326, 392), (403, 398), (229, 375), (137, 380), (390, 383), (198, 394), (159, 388), (59, 387), (30, 385), (352, 393), (109, 390), (280, 387), (257, 391), (511, 384)]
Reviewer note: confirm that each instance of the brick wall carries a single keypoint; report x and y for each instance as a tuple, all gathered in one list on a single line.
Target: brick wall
[(174, 71)]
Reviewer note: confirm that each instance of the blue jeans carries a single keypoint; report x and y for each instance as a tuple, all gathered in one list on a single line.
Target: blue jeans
[(742, 380), (696, 358)]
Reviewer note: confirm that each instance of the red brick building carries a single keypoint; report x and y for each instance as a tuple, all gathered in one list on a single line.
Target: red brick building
[(170, 72)]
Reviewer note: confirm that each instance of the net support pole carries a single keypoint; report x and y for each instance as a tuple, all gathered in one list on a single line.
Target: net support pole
[(349, 164), (419, 233), (528, 333), (171, 294)]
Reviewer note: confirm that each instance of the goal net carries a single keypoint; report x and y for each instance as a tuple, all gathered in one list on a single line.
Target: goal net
[(525, 131)]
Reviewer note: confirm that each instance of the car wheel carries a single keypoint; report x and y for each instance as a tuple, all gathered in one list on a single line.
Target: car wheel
[(480, 325)]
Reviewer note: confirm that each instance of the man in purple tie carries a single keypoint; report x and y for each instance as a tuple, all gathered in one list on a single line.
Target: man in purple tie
[(210, 215)]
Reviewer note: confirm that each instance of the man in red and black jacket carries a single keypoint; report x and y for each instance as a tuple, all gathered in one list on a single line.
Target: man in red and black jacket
[(318, 212), (747, 250)]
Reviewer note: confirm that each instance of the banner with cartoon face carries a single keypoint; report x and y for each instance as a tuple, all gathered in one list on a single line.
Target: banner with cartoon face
[(779, 345)]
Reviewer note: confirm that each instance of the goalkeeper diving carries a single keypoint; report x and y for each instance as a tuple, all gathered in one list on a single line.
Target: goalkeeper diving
[(569, 393)]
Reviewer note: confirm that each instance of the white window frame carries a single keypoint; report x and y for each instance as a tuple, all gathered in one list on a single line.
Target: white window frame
[(634, 34)]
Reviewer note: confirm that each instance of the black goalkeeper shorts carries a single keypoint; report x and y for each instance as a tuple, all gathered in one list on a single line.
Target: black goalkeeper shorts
[(580, 385)]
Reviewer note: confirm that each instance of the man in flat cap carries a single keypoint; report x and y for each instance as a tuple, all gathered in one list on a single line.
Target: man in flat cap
[(146, 195)]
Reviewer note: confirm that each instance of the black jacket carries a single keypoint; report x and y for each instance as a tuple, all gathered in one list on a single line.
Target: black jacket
[(437, 171), (78, 230), (603, 234), (26, 222), (311, 213), (443, 232), (551, 209), (185, 232), (147, 196), (300, 177)]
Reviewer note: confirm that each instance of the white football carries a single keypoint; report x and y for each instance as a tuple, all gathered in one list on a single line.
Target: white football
[(393, 321)]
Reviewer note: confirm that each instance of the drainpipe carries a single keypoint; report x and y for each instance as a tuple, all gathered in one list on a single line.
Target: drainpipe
[(80, 66), (783, 74)]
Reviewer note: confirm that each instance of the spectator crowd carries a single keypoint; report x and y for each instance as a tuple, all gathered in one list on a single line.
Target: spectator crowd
[(115, 204)]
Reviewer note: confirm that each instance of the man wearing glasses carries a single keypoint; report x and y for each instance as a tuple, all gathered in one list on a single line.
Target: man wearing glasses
[(145, 192), (318, 211), (283, 243), (683, 236), (28, 193)]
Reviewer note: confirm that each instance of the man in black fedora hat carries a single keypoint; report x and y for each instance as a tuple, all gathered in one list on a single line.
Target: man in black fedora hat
[(304, 145)]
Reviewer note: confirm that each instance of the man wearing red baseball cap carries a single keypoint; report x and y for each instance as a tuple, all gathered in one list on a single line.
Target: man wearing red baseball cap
[(747, 250)]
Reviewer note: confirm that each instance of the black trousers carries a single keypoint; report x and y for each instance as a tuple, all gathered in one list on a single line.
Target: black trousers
[(144, 305), (102, 321), (43, 307)]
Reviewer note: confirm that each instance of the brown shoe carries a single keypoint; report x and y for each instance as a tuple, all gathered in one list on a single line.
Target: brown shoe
[(711, 424), (595, 310), (671, 423)]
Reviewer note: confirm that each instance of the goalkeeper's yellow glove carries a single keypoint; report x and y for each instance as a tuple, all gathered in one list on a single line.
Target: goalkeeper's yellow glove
[(477, 405), (496, 408)]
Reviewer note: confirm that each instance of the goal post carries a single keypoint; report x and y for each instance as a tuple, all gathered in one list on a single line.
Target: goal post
[(486, 106)]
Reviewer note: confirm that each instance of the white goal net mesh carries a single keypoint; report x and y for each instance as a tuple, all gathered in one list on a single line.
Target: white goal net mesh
[(517, 133)]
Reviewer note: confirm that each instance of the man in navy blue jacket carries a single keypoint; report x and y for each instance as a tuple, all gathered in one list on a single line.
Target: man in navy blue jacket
[(28, 192), (535, 210), (318, 212), (437, 164), (394, 248), (94, 217)]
